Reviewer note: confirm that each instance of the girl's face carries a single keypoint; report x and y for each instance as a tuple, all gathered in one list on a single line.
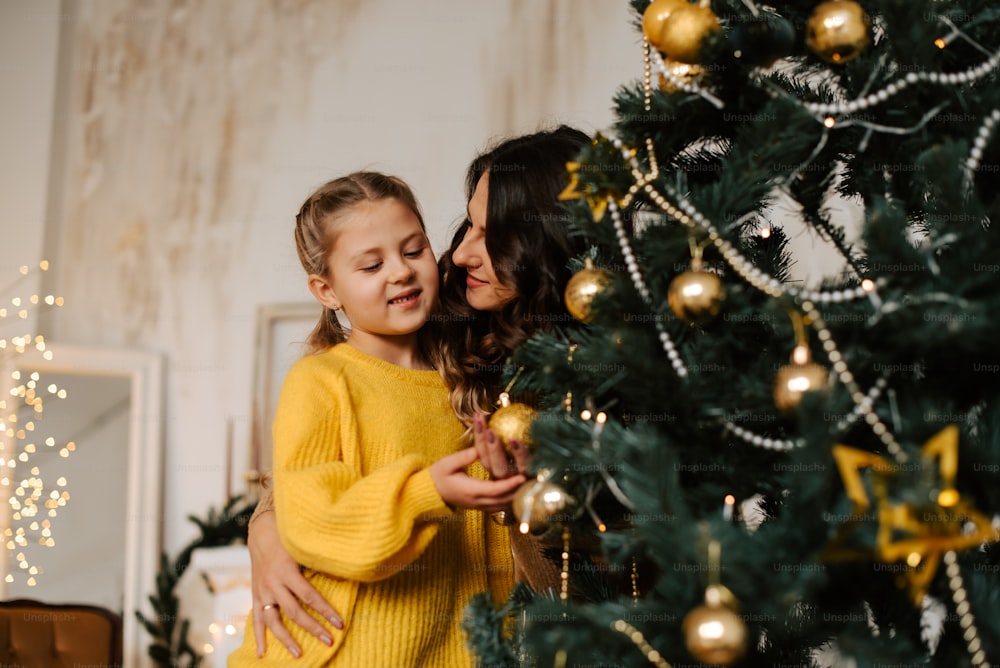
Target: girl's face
[(483, 290), (381, 271)]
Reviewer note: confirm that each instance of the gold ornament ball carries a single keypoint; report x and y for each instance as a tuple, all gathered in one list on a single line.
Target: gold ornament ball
[(684, 72), (581, 290), (513, 423), (538, 503), (715, 635), (685, 30), (655, 16), (794, 380), (838, 30), (696, 296)]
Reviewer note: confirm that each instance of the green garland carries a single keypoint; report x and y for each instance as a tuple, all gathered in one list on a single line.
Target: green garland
[(170, 647)]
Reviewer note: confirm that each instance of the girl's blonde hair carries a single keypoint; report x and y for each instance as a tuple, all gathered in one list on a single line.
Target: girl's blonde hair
[(316, 232)]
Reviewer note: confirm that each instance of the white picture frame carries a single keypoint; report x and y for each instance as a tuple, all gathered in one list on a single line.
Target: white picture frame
[(144, 479), (282, 330)]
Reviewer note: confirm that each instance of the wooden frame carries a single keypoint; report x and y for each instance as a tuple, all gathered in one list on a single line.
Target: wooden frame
[(144, 484)]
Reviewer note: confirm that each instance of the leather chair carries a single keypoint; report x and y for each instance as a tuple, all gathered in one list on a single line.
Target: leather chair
[(45, 635)]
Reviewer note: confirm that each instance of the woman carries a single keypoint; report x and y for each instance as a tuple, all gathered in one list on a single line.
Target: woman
[(502, 279)]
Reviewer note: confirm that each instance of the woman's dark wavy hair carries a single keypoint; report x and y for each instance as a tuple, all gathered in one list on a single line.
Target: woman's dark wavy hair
[(529, 242)]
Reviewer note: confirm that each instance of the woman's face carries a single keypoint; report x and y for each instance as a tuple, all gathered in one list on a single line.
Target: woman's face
[(483, 290)]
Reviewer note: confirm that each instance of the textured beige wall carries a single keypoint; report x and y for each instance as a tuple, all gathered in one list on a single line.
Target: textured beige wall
[(29, 39)]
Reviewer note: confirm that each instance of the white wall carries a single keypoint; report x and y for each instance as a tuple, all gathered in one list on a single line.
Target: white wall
[(29, 38)]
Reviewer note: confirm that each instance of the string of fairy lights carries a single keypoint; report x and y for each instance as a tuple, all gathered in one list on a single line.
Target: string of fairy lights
[(33, 502)]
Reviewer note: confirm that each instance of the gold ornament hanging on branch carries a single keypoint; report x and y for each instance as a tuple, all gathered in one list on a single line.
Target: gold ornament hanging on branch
[(696, 296), (794, 380), (838, 31), (685, 30), (512, 422), (540, 503), (583, 287), (685, 73), (802, 375), (655, 18), (713, 632)]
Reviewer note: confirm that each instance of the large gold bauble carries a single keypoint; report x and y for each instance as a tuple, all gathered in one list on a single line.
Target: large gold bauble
[(539, 503), (685, 30), (654, 18), (513, 423), (696, 296), (581, 289), (838, 30), (715, 635), (683, 72), (794, 380)]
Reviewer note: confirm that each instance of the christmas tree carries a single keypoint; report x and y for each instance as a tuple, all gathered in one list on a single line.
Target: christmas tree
[(777, 473)]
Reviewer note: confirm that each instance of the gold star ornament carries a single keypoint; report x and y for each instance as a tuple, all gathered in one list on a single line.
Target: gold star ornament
[(913, 535), (596, 198), (596, 195)]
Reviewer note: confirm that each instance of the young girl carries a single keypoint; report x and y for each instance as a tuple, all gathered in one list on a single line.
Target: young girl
[(371, 497)]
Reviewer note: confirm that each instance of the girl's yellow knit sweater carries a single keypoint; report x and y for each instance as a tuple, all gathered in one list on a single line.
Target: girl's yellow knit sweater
[(356, 506)]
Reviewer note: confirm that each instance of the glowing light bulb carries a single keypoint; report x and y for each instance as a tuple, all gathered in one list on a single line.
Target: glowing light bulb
[(711, 630)]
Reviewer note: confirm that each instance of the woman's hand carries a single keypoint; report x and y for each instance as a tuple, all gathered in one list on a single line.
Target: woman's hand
[(492, 454), (458, 488), (279, 587)]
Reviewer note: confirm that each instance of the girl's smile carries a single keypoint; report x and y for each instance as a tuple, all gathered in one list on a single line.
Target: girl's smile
[(382, 273)]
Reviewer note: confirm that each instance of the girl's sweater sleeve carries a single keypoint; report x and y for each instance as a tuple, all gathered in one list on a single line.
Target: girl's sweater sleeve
[(330, 518)]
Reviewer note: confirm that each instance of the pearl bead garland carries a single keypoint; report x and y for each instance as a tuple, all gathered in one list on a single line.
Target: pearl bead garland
[(965, 618), (635, 635), (784, 445), (688, 215), (862, 404), (979, 145), (640, 285), (647, 77), (824, 109), (756, 440), (686, 86)]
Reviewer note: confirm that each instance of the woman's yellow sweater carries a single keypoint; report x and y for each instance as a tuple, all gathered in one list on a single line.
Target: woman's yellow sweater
[(356, 506)]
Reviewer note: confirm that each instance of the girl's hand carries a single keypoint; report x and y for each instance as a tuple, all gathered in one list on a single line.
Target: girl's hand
[(458, 488), (277, 582), (492, 454)]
